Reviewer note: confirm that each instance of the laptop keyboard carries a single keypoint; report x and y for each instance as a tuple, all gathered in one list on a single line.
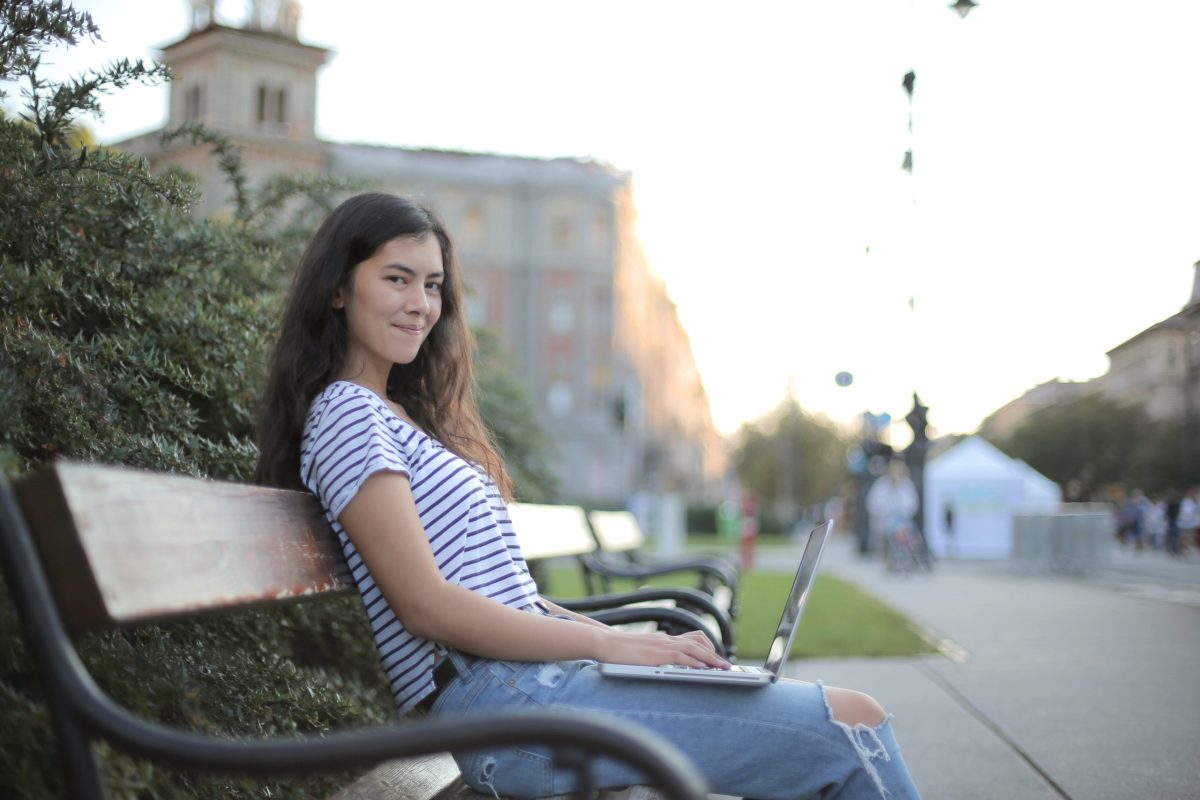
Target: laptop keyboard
[(733, 668)]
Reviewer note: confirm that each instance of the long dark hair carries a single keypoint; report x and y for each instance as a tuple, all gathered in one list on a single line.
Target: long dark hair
[(437, 389)]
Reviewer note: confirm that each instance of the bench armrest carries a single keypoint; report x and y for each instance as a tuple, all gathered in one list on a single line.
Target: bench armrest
[(691, 600), (710, 569), (669, 620)]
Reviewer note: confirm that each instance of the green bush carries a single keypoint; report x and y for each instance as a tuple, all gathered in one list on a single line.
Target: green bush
[(134, 333), (702, 518), (278, 672)]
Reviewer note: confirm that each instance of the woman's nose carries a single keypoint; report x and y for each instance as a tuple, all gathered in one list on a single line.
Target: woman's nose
[(416, 302)]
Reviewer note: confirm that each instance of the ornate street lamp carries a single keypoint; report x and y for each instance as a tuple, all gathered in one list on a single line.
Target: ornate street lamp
[(963, 7)]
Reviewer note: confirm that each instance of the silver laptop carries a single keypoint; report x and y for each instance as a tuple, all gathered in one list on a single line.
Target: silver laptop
[(781, 645)]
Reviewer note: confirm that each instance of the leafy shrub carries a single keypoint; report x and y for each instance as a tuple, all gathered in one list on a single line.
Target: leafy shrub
[(134, 333)]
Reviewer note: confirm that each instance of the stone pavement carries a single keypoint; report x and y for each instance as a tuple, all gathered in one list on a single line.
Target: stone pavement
[(1047, 686)]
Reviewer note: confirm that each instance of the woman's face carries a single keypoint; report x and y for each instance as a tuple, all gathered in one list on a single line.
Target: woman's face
[(393, 301)]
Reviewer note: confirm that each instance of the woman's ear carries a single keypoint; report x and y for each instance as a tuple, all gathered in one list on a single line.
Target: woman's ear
[(338, 302)]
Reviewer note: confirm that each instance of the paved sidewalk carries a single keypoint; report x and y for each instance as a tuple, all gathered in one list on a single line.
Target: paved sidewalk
[(1049, 687)]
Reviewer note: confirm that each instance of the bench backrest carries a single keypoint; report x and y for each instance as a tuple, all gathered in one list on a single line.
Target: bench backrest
[(617, 531), (124, 546), (551, 531)]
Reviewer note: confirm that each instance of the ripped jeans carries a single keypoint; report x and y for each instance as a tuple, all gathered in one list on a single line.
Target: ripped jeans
[(776, 742)]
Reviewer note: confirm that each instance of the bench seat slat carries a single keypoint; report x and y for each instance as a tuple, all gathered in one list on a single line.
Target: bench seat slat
[(421, 778), (129, 546)]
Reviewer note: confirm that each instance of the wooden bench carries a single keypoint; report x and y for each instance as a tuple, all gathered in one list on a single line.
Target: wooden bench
[(621, 554), (562, 531), (86, 546)]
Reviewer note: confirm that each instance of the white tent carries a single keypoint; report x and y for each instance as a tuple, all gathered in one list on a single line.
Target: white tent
[(985, 488)]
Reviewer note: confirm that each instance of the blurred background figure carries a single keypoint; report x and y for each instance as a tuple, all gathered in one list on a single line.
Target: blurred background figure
[(1174, 542), (748, 538), (1189, 517), (1155, 522), (891, 506), (1129, 517), (951, 546), (1143, 517)]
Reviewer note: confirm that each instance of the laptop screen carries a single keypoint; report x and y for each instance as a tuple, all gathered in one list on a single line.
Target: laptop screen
[(781, 645)]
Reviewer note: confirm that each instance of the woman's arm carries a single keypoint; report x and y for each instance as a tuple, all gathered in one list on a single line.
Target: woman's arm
[(555, 608), (383, 523)]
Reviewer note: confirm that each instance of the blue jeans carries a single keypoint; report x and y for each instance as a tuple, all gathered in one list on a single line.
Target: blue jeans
[(773, 743)]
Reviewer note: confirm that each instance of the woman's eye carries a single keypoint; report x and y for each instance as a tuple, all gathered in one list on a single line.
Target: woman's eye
[(433, 287)]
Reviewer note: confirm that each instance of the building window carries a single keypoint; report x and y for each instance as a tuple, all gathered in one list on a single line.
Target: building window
[(601, 232), (477, 305), (560, 398), (193, 104), (272, 104), (562, 234), (474, 226), (562, 315), (602, 306)]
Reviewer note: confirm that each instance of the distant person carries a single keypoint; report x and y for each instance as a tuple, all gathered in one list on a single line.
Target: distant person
[(1129, 517), (1155, 522), (951, 542), (1189, 517), (748, 536), (891, 504), (1144, 511), (1174, 504)]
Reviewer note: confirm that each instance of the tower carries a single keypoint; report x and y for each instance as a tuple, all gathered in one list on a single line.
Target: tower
[(255, 84), (1195, 298)]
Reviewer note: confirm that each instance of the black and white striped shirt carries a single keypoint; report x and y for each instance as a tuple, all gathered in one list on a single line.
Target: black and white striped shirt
[(351, 434)]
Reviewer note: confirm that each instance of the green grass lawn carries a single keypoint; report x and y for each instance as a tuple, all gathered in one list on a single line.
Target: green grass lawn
[(840, 620)]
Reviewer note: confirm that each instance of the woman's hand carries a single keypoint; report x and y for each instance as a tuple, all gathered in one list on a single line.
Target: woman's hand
[(692, 649)]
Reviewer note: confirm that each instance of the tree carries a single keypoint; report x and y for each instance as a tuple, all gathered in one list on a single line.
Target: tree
[(1091, 440), (790, 458), (508, 411)]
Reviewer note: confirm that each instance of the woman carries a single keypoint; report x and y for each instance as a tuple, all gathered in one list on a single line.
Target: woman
[(370, 406)]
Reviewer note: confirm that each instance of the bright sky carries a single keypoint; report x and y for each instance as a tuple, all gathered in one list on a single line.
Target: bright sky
[(1053, 212)]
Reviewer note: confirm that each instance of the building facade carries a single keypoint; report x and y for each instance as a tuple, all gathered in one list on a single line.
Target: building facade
[(1157, 370), (548, 249)]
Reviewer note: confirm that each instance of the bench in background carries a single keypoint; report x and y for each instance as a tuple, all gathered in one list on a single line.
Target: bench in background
[(559, 531), (621, 554), (87, 546)]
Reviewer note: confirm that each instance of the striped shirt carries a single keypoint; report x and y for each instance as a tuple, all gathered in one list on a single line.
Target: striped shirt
[(351, 434)]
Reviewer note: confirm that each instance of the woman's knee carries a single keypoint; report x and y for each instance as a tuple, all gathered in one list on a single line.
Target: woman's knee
[(854, 708)]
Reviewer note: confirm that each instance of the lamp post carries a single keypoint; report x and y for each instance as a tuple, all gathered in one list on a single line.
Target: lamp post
[(914, 459), (963, 7), (917, 418)]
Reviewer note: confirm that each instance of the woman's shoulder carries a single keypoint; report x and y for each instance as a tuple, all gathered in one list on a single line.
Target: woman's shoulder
[(342, 401), (343, 405)]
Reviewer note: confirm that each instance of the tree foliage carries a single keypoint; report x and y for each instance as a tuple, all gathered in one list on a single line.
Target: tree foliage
[(1093, 442), (505, 404), (790, 458)]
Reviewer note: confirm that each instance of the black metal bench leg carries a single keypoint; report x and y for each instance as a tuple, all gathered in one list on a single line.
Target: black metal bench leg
[(83, 775)]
